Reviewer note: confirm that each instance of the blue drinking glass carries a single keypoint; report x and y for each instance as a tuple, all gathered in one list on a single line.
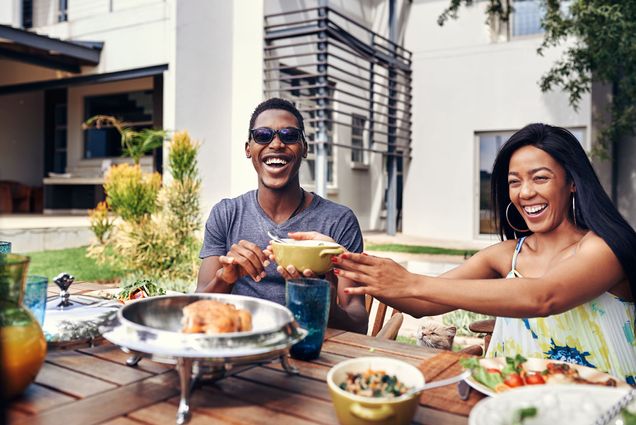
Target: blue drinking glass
[(35, 296), (308, 300), (5, 247)]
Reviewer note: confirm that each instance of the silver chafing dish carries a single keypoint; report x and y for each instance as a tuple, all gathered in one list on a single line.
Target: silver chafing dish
[(152, 328)]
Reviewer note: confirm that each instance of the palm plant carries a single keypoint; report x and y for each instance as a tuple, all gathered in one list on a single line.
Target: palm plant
[(134, 144)]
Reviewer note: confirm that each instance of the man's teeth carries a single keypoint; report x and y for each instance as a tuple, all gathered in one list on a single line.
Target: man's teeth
[(533, 209), (278, 161)]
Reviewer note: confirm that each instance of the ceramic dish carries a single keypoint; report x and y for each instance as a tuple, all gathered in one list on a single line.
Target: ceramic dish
[(353, 409), (555, 404), (312, 254), (539, 365)]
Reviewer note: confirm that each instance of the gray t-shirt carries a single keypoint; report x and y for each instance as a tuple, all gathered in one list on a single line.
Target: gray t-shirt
[(242, 218)]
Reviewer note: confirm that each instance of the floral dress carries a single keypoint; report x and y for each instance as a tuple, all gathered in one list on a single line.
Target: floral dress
[(598, 334)]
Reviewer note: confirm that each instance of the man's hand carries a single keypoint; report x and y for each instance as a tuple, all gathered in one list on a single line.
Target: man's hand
[(244, 258)]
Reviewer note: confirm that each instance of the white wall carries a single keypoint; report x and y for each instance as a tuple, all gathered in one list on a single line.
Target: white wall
[(11, 13), (135, 33), (214, 84), (464, 83), (22, 135)]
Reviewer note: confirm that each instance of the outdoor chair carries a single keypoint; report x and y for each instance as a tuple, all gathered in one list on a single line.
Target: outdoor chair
[(484, 327), (379, 329), (14, 197)]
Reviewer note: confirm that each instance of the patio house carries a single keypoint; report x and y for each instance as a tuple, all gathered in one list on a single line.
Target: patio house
[(195, 65)]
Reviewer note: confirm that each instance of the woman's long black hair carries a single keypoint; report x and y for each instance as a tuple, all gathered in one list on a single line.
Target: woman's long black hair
[(593, 208)]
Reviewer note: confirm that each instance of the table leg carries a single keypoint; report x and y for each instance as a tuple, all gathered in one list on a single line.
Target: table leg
[(184, 366)]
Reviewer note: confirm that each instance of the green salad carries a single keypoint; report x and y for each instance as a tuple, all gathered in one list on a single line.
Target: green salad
[(141, 288)]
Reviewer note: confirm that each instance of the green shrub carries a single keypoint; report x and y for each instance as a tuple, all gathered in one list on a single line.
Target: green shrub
[(156, 236), (100, 222), (182, 159), (131, 193), (461, 319)]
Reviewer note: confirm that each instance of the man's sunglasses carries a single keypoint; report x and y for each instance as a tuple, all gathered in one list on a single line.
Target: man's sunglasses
[(287, 135)]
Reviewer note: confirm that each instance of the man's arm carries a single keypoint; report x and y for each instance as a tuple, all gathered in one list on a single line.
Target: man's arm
[(208, 281), (347, 312)]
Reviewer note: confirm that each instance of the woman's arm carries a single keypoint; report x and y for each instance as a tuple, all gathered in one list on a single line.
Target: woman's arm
[(593, 270), (481, 265)]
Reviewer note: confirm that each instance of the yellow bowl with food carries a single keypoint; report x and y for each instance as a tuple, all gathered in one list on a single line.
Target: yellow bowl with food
[(367, 391), (314, 255)]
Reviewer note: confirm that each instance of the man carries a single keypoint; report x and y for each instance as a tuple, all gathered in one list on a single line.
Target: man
[(234, 254)]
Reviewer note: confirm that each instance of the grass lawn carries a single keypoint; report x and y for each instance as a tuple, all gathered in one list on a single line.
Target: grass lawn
[(418, 249), (73, 261)]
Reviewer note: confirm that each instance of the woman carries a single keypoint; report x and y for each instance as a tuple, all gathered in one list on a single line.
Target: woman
[(574, 264)]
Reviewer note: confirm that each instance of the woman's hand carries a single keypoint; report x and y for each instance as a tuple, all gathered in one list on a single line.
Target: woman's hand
[(379, 277)]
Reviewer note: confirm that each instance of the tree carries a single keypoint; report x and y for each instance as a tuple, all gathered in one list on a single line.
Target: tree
[(601, 47)]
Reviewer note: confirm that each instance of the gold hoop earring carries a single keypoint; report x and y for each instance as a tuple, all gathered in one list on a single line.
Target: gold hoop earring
[(510, 224), (573, 209)]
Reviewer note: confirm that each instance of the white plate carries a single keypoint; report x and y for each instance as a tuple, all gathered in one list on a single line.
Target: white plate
[(539, 365), (111, 294), (556, 404)]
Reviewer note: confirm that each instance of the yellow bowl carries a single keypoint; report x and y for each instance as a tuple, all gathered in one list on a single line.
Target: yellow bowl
[(352, 409), (312, 254)]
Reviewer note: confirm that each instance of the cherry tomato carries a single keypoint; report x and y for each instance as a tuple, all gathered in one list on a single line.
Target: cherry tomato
[(138, 295), (514, 380), (535, 379)]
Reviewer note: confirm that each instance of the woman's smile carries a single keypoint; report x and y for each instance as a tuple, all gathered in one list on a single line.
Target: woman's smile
[(539, 188)]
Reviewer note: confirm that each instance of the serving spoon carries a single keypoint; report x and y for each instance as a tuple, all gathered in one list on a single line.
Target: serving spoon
[(275, 238), (440, 383)]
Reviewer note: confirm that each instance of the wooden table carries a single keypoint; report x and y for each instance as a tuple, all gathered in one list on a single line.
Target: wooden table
[(93, 385)]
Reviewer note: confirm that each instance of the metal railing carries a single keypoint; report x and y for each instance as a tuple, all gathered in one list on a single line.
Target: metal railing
[(334, 68)]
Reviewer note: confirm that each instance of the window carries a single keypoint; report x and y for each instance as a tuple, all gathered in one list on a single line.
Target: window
[(63, 11), (488, 145), (27, 14), (134, 108), (526, 17), (308, 174), (358, 155)]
